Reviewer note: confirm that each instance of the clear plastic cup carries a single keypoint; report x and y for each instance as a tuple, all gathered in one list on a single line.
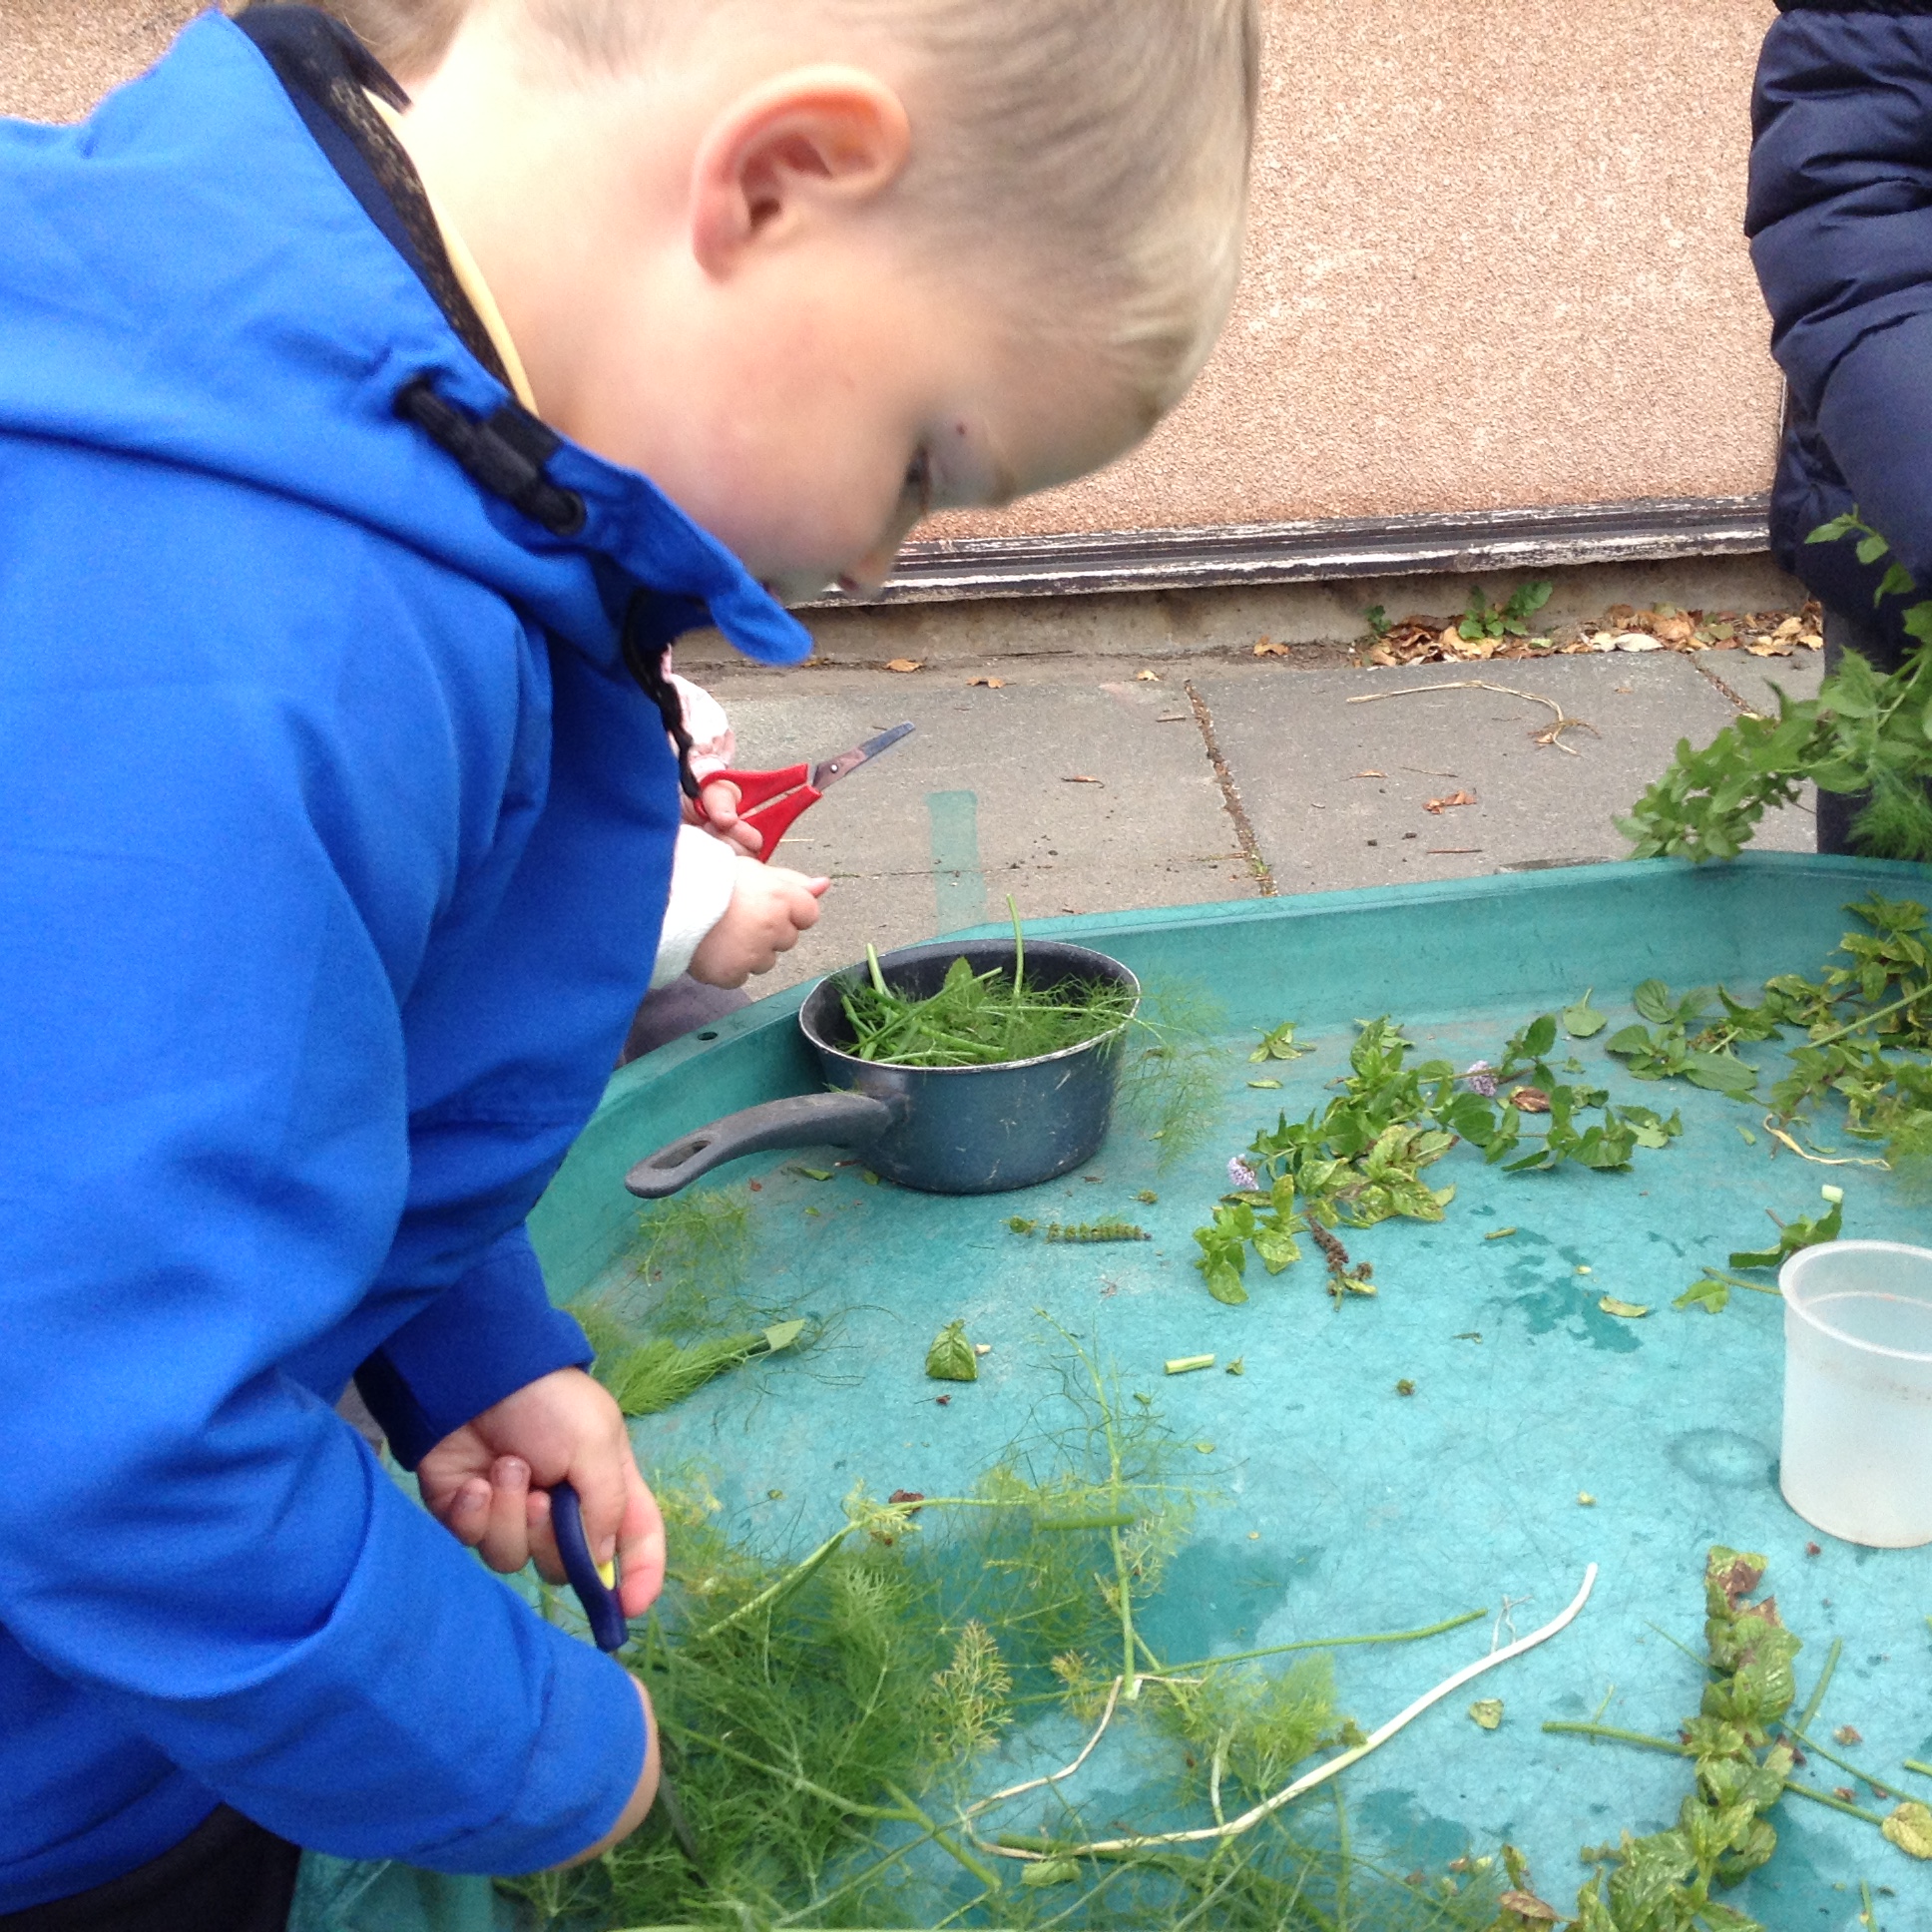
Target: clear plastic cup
[(1857, 1459)]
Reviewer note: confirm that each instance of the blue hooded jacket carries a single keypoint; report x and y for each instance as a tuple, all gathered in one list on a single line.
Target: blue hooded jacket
[(334, 839), (1840, 221)]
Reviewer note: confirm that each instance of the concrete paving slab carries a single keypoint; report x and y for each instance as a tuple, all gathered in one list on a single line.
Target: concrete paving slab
[(1080, 794), (1338, 793)]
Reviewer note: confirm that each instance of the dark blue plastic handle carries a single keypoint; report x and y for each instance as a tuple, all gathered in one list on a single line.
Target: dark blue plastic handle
[(608, 1626)]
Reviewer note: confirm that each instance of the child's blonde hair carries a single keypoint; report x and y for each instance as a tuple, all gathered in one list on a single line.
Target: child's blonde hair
[(1095, 151)]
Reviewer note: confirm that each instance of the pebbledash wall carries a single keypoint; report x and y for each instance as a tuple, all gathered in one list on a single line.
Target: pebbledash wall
[(1497, 306)]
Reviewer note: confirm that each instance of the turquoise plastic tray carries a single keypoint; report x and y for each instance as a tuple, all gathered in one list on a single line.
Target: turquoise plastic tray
[(1348, 1507)]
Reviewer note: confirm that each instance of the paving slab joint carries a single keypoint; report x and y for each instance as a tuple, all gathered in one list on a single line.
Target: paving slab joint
[(1744, 704), (1230, 796)]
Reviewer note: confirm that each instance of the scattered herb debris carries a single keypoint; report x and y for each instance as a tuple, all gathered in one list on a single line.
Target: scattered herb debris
[(1238, 1366), (1487, 1712), (1146, 1196), (645, 1376), (1188, 1364), (1278, 1044), (1624, 1310), (1499, 1233), (1097, 1230), (1796, 1235), (1583, 1020), (1345, 1276), (951, 1357), (1405, 1387), (1020, 1225)]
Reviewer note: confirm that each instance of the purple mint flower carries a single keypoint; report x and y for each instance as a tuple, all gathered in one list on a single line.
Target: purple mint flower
[(1241, 1177), (1481, 1079)]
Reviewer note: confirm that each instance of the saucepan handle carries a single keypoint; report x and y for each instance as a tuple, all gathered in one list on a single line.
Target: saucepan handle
[(804, 1120)]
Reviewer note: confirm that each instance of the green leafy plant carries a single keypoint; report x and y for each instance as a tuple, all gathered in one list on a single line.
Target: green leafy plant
[(650, 1374), (1866, 732), (826, 1720), (1509, 618), (1377, 618), (1360, 1159), (1713, 1292), (1662, 1882), (1672, 1052)]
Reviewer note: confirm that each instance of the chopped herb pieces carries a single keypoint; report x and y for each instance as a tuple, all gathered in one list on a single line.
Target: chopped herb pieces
[(951, 1357)]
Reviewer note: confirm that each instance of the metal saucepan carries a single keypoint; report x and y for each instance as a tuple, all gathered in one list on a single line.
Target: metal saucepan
[(944, 1129)]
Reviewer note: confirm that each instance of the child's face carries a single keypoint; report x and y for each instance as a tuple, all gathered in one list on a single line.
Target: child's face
[(833, 397)]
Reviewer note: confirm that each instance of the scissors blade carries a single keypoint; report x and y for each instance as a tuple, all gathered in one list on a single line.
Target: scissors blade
[(835, 768)]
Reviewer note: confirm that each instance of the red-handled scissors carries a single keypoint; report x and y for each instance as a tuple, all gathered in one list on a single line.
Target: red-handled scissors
[(779, 796)]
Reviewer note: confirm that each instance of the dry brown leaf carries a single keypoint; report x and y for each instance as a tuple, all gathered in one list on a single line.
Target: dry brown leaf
[(1768, 648), (1526, 1905), (905, 664), (990, 683), (1620, 616), (1673, 630), (1371, 773), (1267, 648), (1147, 678), (1637, 641), (1440, 805), (1789, 628), (1529, 1099), (1080, 777), (1811, 640)]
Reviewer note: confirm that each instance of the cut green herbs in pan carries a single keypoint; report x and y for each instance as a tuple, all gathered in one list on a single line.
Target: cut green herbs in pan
[(984, 1019)]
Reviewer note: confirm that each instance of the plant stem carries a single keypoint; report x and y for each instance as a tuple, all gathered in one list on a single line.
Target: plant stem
[(1018, 949), (1638, 1738), (915, 1814), (1879, 1785), (769, 1599), (1824, 1685), (872, 960), (1865, 1019), (1334, 1643), (1913, 1765), (1683, 1751)]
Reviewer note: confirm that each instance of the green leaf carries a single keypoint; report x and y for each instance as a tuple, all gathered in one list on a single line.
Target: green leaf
[(1487, 1712), (1709, 1295), (1872, 546), (1629, 1040), (1583, 1020), (1897, 582), (1540, 1036), (1653, 1000), (1224, 1278), (1719, 1073), (1836, 529), (951, 1357), (1623, 1311), (781, 1335)]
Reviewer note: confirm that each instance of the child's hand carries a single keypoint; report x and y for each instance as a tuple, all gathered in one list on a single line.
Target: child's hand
[(717, 811), (488, 1483), (769, 908)]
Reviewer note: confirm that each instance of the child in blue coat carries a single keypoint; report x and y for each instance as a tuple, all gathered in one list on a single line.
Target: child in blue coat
[(361, 450), (1840, 221)]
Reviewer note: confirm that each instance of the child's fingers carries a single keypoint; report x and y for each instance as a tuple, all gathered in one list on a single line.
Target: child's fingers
[(505, 1542), (467, 1514), (641, 1546), (817, 887)]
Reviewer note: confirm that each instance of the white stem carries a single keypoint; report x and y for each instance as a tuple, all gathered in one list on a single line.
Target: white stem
[(1322, 1772), (1053, 1778)]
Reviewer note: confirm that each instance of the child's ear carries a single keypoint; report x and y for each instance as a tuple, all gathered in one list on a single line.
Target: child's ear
[(798, 145)]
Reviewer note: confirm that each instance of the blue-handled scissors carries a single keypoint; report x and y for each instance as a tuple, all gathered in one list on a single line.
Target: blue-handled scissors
[(596, 1587)]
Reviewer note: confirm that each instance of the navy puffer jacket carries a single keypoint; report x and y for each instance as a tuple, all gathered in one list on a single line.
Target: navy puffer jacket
[(1840, 221)]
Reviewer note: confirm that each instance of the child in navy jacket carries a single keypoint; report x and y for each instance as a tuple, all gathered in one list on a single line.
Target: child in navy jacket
[(360, 454), (1840, 221)]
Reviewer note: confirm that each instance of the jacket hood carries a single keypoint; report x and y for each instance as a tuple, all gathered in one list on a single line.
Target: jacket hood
[(186, 278)]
